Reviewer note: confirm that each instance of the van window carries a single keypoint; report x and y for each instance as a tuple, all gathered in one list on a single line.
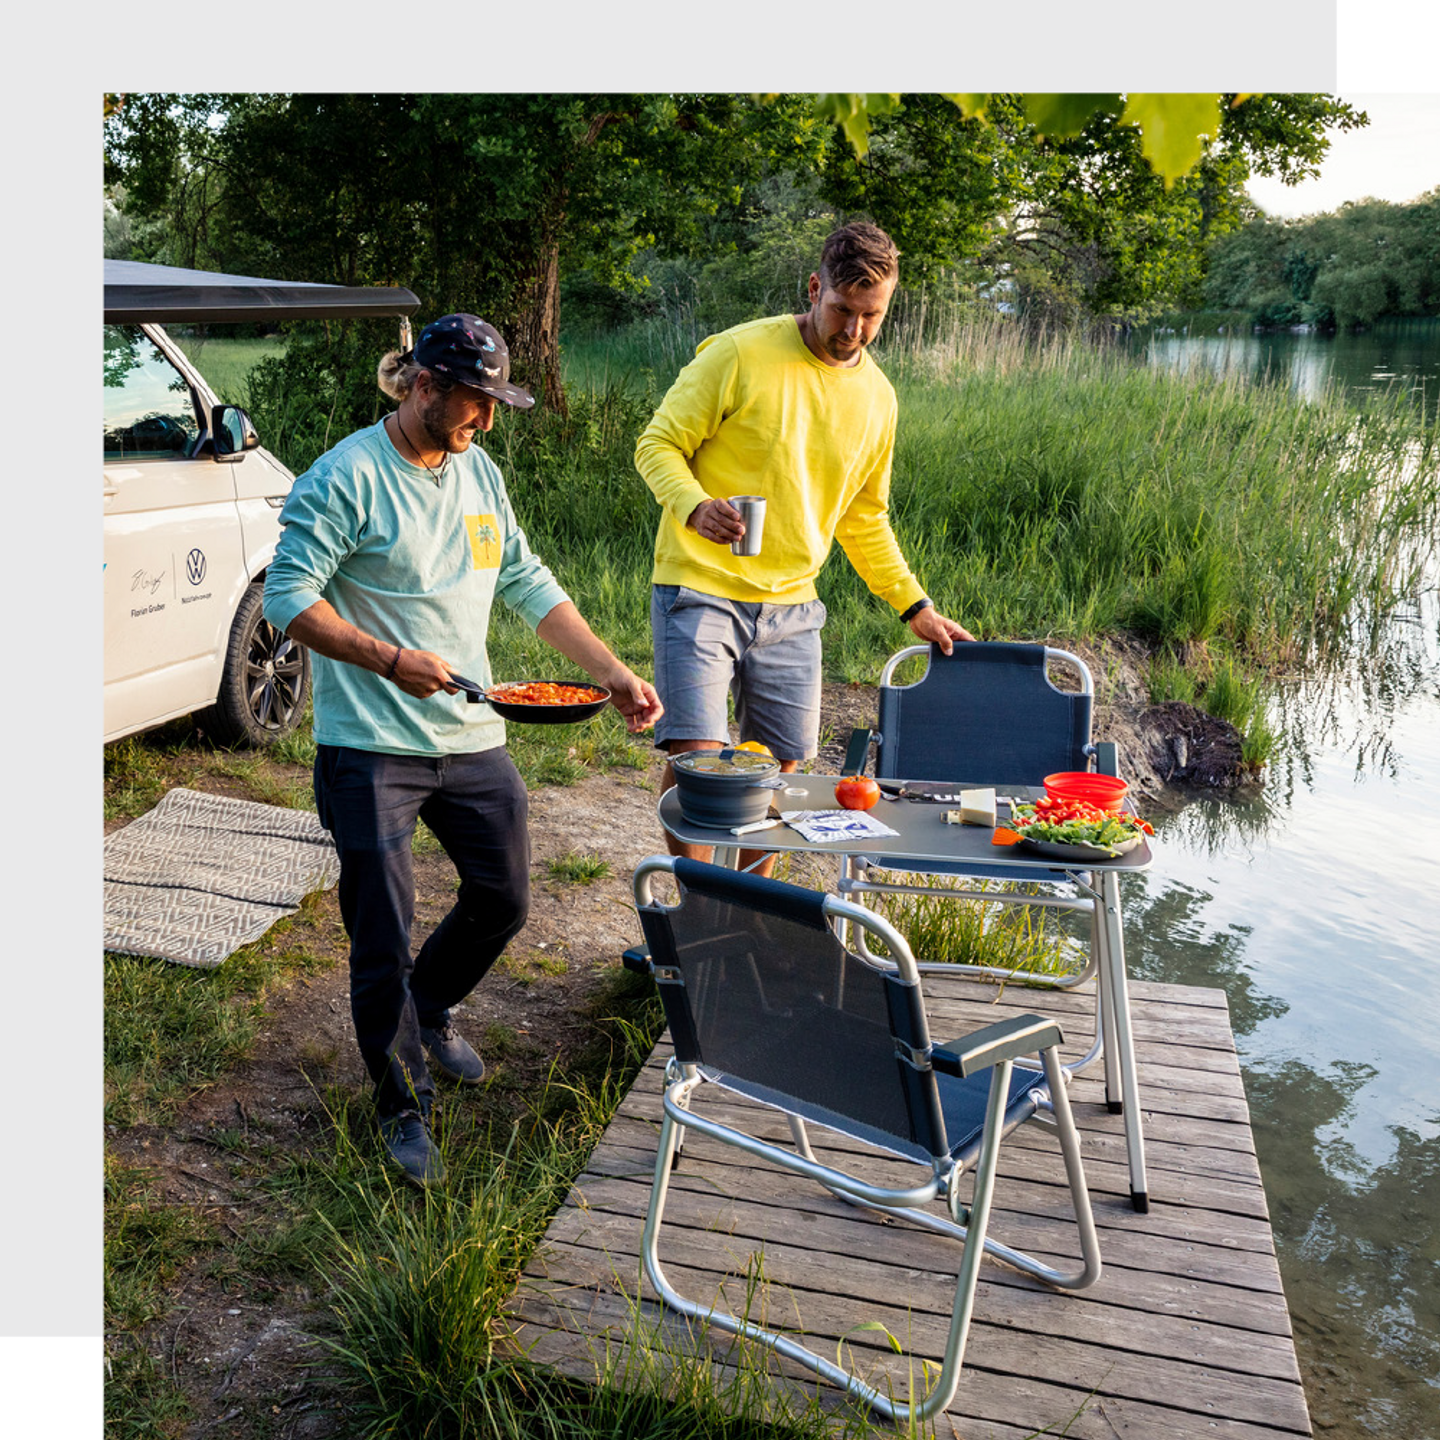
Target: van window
[(149, 407)]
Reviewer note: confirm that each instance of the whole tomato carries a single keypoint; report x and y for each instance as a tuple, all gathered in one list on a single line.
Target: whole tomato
[(857, 792)]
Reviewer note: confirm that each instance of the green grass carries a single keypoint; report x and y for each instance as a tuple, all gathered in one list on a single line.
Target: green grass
[(1232, 695), (579, 869), (1052, 490), (146, 1242), (1039, 491), (418, 1283), (141, 1401), (171, 1030), (1023, 939), (226, 361), (1223, 687)]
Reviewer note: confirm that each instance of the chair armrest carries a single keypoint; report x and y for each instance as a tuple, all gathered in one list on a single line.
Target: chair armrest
[(637, 959), (1107, 758), (1004, 1040)]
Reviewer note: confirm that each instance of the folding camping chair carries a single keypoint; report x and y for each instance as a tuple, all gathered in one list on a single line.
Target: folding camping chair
[(763, 999), (986, 714)]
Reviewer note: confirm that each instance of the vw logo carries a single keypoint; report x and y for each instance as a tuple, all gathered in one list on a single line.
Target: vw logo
[(195, 566)]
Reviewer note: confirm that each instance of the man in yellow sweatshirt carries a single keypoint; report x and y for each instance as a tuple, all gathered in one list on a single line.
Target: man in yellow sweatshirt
[(791, 409)]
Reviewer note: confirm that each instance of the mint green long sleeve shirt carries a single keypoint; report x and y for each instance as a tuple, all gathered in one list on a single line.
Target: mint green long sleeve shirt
[(414, 563)]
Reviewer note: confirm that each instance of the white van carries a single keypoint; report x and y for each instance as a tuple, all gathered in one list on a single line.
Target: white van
[(192, 506)]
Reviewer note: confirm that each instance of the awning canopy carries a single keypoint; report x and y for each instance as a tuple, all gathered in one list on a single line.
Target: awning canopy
[(163, 294)]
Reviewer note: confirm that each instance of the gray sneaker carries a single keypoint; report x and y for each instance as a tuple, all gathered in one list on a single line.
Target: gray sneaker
[(408, 1144), (451, 1055)]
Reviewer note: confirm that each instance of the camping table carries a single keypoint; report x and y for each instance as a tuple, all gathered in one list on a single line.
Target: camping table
[(923, 836)]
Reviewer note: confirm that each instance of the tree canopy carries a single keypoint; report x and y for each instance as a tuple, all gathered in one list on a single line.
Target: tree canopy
[(1076, 218), (457, 196), (1355, 265), (1089, 204)]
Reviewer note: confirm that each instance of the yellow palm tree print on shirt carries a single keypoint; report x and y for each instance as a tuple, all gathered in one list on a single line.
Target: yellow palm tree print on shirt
[(484, 541)]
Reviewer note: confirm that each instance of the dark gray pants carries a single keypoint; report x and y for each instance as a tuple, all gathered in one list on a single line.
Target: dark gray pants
[(476, 806)]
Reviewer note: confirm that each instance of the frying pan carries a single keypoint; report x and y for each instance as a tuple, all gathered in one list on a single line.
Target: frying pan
[(535, 714)]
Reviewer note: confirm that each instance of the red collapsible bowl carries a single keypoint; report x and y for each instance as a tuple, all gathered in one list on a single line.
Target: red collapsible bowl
[(1107, 791)]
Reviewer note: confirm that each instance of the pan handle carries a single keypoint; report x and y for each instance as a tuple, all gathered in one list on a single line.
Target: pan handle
[(473, 693)]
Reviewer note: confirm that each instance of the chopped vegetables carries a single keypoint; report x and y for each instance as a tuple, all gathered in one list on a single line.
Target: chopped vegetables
[(1075, 822)]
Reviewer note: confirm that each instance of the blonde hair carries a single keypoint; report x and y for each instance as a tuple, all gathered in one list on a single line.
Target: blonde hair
[(396, 374)]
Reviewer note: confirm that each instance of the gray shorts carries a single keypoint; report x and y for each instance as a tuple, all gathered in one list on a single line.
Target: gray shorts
[(767, 656)]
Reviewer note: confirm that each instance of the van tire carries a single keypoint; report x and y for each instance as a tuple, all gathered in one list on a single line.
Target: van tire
[(265, 684)]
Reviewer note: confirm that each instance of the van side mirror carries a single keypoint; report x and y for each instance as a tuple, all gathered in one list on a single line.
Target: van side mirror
[(232, 433)]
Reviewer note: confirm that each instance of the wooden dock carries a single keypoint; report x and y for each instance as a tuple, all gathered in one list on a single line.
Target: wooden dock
[(1186, 1334)]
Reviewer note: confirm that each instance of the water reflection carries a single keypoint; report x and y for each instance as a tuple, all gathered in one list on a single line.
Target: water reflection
[(1316, 908), (1359, 1247), (1168, 937), (1399, 355)]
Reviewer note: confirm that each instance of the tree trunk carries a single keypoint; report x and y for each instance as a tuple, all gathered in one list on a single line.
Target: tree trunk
[(535, 348)]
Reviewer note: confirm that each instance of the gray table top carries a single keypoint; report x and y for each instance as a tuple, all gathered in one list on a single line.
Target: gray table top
[(923, 834)]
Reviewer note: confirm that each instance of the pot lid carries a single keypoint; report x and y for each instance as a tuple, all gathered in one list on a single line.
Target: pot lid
[(725, 762)]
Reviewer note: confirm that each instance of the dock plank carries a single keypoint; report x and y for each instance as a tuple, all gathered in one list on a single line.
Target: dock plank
[(1186, 1334)]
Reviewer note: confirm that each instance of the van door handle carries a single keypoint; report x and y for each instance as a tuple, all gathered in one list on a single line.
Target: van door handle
[(111, 490)]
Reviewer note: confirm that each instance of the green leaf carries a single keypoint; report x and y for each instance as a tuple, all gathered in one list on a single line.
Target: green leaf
[(852, 114), (1173, 129), (867, 1325), (1064, 116), (972, 107)]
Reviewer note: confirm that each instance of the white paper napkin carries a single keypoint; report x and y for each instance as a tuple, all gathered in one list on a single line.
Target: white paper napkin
[(818, 826)]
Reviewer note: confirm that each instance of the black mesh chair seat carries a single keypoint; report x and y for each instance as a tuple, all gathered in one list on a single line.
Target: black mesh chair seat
[(763, 998), (986, 714)]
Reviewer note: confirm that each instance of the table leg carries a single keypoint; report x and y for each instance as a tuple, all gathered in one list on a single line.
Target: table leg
[(1105, 1008), (1114, 1086), (1119, 1010)]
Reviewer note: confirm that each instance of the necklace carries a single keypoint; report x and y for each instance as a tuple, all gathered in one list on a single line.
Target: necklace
[(437, 474)]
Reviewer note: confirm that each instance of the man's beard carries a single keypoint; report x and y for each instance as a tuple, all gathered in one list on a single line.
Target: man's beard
[(442, 436)]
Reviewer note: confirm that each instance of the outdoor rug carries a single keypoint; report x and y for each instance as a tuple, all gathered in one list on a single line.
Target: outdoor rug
[(201, 875)]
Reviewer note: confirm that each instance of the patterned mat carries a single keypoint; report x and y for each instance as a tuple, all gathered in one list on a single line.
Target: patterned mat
[(201, 875)]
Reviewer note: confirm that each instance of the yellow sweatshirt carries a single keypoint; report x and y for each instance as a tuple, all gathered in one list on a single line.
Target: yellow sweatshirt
[(755, 413)]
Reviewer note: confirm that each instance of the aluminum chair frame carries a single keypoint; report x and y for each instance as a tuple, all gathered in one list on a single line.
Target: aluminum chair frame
[(1074, 888), (995, 1048), (1083, 897)]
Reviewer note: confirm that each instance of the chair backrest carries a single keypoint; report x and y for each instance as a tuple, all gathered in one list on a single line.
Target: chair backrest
[(759, 991), (986, 713)]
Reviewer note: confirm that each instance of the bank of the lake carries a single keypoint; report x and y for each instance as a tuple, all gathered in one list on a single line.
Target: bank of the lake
[(1069, 494), (1197, 521)]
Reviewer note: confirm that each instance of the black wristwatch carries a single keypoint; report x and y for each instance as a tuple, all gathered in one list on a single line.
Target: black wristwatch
[(923, 603)]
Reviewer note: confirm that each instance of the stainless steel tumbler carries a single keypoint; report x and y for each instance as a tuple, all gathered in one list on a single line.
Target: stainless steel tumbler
[(752, 513)]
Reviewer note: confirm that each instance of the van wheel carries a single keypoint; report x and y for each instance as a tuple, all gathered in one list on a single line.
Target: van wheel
[(265, 683)]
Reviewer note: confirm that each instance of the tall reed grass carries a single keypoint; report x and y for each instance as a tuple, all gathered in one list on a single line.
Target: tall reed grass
[(1044, 486)]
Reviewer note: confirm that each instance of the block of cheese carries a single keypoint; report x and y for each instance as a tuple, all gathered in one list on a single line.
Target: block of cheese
[(977, 807)]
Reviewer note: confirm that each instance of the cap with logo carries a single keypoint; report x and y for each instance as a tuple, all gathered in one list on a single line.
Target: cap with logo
[(469, 350)]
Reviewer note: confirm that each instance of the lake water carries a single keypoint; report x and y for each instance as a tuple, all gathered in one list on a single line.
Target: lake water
[(1323, 928), (1399, 354)]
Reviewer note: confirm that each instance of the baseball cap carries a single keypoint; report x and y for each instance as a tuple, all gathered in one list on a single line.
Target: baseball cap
[(469, 350)]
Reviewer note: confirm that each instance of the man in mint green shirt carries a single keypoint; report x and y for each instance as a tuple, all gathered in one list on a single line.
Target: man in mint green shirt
[(396, 543)]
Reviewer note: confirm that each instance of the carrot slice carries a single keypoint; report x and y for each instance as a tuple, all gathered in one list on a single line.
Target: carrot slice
[(1003, 836)]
